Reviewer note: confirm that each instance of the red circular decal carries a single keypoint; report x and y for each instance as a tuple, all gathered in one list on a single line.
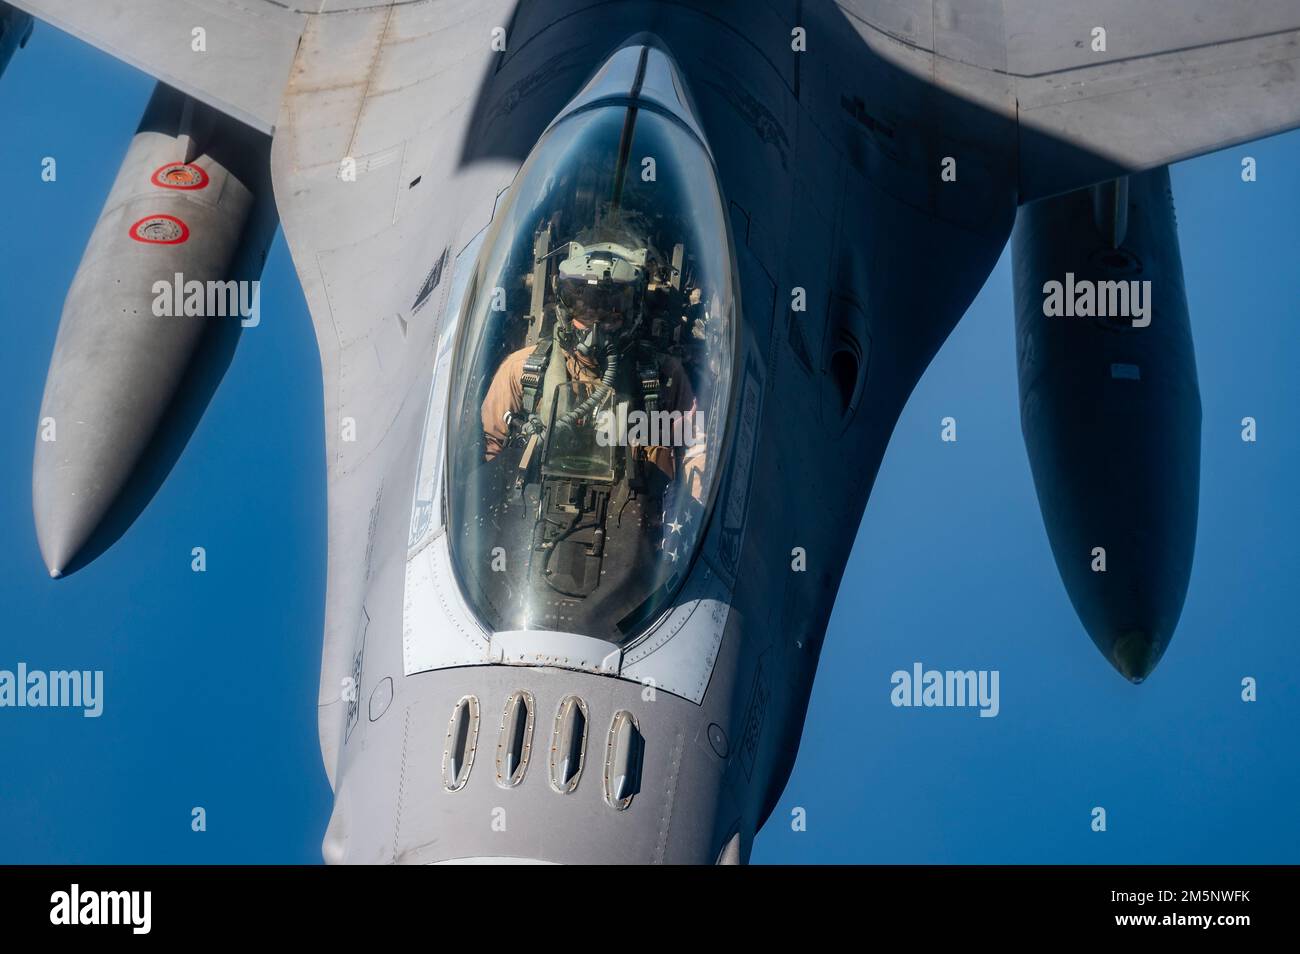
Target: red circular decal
[(180, 175), (160, 230)]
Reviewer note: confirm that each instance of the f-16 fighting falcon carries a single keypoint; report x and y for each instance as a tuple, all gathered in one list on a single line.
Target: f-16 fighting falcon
[(618, 302)]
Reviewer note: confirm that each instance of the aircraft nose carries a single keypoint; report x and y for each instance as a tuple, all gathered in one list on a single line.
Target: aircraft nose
[(1135, 653)]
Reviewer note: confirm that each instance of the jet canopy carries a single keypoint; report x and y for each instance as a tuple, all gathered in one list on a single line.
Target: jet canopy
[(591, 379)]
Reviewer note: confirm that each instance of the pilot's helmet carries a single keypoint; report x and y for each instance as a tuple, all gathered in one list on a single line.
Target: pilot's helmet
[(600, 288)]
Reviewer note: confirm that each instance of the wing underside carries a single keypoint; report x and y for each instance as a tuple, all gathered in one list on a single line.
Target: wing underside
[(233, 55), (1101, 88)]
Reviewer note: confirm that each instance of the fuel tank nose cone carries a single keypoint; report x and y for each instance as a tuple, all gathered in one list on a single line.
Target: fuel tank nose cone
[(1135, 654), (63, 523)]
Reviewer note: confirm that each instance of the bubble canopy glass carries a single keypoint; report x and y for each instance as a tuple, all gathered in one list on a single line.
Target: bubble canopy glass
[(579, 481)]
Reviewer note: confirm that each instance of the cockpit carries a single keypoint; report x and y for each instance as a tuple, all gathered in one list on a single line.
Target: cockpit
[(592, 378)]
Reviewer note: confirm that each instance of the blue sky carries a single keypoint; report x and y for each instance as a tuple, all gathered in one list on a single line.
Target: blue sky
[(211, 678)]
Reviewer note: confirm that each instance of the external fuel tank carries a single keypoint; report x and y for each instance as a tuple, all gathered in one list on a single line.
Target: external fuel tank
[(1110, 406)]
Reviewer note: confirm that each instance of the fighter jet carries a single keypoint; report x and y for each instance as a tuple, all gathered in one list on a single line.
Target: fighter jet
[(618, 304)]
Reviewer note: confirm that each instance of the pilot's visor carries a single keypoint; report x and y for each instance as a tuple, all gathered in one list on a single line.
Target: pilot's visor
[(594, 300)]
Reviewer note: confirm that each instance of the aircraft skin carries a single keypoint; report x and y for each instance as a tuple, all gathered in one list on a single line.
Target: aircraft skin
[(827, 131)]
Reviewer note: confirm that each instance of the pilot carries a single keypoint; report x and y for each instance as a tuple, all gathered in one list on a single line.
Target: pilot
[(598, 343)]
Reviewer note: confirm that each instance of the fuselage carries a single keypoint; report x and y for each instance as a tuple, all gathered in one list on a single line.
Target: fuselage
[(849, 272)]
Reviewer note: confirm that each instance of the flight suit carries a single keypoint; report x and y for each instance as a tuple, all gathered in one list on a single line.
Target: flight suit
[(506, 396)]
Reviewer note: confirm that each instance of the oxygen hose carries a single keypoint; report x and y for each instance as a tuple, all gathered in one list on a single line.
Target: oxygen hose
[(597, 395)]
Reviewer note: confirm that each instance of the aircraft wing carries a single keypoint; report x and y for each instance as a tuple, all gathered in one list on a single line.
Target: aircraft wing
[(242, 68), (1167, 80)]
